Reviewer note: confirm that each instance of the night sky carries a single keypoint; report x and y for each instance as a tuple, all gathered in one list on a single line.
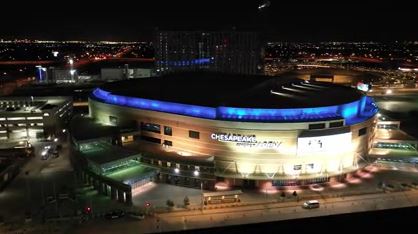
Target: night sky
[(282, 21)]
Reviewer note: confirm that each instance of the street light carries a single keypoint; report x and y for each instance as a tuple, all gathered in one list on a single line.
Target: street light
[(72, 72), (196, 173), (201, 196), (176, 170)]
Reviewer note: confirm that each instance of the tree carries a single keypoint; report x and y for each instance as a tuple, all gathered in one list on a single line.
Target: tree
[(170, 203), (282, 195), (186, 201), (295, 194)]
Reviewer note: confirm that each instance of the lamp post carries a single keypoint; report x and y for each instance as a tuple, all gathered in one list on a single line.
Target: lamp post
[(72, 71), (201, 192)]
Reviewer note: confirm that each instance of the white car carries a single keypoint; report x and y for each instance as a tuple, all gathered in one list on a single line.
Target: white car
[(136, 215), (311, 204)]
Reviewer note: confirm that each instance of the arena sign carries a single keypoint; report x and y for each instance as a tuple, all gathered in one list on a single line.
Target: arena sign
[(249, 141)]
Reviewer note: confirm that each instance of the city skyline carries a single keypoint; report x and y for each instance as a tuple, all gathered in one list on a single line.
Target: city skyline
[(284, 21)]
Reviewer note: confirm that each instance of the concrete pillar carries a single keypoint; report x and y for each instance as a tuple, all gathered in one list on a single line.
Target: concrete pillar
[(113, 193), (99, 187), (105, 192), (95, 184), (128, 198), (121, 198)]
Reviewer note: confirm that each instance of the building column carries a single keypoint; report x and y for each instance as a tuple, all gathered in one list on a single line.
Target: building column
[(95, 184), (112, 193), (99, 187), (128, 198), (105, 192), (120, 196)]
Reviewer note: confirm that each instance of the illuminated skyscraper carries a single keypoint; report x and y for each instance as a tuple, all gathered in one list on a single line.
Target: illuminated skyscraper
[(216, 51)]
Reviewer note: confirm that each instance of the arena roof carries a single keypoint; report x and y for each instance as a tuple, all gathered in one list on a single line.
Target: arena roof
[(240, 98), (213, 90)]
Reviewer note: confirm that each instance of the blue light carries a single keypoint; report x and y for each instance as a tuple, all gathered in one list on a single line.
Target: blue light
[(354, 112), (180, 63)]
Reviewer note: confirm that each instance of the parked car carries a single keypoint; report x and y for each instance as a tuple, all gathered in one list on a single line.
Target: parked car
[(115, 214), (406, 186), (136, 215), (311, 204)]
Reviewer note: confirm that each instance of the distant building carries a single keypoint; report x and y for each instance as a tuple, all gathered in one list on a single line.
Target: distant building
[(33, 117), (216, 51), (124, 73), (41, 74), (60, 75)]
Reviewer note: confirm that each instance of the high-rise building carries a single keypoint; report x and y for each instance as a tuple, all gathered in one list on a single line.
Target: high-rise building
[(216, 51)]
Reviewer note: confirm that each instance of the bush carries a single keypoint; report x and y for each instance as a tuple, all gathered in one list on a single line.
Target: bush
[(170, 203)]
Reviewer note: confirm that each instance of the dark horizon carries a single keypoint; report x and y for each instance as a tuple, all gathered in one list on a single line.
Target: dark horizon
[(282, 21)]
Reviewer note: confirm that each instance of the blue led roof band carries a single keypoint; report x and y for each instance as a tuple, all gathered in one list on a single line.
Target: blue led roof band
[(354, 112)]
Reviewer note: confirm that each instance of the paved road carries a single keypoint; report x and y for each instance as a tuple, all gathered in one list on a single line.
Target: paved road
[(28, 191), (196, 219)]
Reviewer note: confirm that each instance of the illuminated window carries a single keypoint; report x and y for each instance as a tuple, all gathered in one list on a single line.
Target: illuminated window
[(194, 134), (150, 127), (113, 120), (16, 118), (336, 124), (168, 131), (34, 117), (317, 126)]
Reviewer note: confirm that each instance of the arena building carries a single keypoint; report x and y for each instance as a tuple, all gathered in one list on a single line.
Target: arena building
[(242, 130)]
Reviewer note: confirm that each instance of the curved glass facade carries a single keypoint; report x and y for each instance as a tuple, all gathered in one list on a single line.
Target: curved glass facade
[(353, 113)]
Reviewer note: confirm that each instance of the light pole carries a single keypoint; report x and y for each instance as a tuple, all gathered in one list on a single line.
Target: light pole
[(72, 71), (201, 192)]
